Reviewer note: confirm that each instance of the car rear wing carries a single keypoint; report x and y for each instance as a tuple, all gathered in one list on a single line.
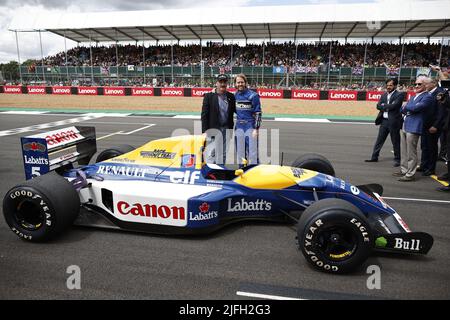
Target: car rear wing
[(51, 150)]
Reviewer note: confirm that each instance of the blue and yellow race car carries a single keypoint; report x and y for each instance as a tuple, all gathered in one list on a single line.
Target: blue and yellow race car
[(164, 187)]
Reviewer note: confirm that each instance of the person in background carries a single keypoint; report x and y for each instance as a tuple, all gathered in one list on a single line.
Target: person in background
[(443, 99), (433, 121), (390, 120), (217, 115), (412, 129), (248, 121)]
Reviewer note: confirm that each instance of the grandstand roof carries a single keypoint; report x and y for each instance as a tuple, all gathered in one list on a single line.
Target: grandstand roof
[(384, 19)]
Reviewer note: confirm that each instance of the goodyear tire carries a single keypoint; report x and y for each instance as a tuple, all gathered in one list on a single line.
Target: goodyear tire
[(41, 208), (114, 152), (334, 236), (315, 162)]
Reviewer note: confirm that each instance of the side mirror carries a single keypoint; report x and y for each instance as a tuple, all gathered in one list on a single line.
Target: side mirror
[(239, 172)]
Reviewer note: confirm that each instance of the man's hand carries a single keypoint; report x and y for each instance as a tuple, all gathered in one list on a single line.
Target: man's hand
[(255, 133), (432, 130)]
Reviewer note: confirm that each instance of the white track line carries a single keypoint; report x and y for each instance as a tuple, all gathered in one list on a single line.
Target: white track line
[(24, 112), (264, 296), (42, 126), (417, 200), (186, 117), (301, 120)]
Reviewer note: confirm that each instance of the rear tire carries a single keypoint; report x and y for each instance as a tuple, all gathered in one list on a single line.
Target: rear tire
[(114, 152), (315, 162), (41, 208), (334, 236)]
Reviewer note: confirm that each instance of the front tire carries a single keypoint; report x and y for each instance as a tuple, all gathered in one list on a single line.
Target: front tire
[(39, 209), (315, 162), (334, 236), (114, 152)]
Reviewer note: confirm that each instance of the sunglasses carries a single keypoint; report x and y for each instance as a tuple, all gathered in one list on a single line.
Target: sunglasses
[(418, 84)]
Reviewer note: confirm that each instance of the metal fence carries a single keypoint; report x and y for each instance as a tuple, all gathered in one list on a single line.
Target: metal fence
[(205, 76)]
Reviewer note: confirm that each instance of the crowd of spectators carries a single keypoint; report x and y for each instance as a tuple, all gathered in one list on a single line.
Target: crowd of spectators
[(271, 54)]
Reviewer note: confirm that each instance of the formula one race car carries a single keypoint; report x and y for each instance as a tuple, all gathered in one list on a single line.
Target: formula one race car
[(164, 187)]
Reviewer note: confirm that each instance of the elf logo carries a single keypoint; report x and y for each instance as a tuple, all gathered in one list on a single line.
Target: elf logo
[(410, 245)]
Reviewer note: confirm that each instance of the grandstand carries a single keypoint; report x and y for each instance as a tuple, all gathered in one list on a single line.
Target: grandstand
[(319, 46)]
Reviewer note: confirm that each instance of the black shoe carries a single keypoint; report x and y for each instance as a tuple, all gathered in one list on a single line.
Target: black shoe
[(442, 158), (371, 160), (419, 169), (444, 189), (396, 164), (428, 173), (444, 177), (398, 174)]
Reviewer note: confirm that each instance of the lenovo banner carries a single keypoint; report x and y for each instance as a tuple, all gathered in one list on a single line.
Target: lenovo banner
[(12, 89), (271, 93), (373, 95), (114, 91), (172, 92), (142, 92), (306, 94), (199, 92), (36, 90), (342, 95), (61, 90), (89, 91)]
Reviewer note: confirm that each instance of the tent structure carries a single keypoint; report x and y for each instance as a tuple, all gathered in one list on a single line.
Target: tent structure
[(382, 19)]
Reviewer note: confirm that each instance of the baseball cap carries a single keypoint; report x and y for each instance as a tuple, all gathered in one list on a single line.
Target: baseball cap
[(222, 77)]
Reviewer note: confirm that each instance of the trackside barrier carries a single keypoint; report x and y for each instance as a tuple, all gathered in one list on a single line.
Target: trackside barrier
[(306, 94)]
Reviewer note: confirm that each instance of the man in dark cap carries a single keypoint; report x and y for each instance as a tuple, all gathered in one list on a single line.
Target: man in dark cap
[(218, 110)]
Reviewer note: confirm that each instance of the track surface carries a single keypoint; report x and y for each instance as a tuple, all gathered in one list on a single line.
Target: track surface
[(256, 258)]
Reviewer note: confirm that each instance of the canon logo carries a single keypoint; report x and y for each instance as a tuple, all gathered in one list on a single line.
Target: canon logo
[(114, 91), (36, 90), (151, 210), (87, 91), (62, 136), (343, 96), (306, 95), (143, 92), (172, 92), (270, 94)]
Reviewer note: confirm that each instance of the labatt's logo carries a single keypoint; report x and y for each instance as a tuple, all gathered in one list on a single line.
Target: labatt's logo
[(204, 213), (243, 205), (33, 160), (151, 210)]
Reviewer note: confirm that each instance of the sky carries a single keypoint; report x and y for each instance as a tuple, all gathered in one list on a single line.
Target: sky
[(52, 44)]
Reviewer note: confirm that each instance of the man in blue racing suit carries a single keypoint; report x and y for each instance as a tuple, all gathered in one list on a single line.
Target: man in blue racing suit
[(248, 121)]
